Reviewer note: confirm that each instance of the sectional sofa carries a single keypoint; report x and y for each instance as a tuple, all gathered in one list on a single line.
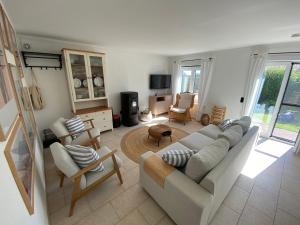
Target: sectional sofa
[(190, 202)]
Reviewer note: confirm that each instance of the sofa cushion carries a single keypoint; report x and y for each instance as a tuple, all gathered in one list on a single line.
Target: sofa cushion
[(211, 131), (244, 122), (196, 141), (233, 134), (84, 156), (206, 159), (177, 158)]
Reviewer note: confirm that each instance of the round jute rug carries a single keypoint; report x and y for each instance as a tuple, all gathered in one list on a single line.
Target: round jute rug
[(136, 142)]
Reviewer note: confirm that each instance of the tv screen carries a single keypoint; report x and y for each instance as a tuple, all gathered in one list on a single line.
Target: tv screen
[(160, 81)]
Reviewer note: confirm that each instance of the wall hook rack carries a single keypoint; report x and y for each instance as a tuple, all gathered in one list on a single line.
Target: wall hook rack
[(42, 56)]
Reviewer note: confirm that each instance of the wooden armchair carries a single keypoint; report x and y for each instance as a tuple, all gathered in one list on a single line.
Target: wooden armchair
[(181, 110), (85, 181), (65, 137)]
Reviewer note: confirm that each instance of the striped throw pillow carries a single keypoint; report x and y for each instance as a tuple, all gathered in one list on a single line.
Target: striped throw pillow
[(225, 124), (177, 158), (75, 125), (83, 156)]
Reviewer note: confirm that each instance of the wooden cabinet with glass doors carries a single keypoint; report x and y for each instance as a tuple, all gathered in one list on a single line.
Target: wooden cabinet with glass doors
[(87, 87)]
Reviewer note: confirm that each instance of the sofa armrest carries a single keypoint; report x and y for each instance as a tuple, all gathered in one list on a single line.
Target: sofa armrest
[(182, 198), (181, 185)]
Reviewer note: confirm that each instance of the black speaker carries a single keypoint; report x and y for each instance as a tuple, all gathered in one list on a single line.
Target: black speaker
[(129, 108)]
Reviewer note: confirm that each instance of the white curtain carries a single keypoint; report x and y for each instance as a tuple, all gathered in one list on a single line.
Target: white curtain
[(176, 79), (257, 66), (205, 80)]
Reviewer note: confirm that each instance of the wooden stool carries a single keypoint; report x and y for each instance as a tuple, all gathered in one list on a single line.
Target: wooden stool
[(159, 131)]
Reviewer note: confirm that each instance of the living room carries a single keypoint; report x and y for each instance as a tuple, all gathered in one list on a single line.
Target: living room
[(166, 86)]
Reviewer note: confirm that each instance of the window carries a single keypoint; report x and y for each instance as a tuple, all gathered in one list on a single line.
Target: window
[(190, 79)]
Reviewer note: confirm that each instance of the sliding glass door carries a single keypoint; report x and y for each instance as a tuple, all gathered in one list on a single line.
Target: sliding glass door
[(287, 123), (270, 88), (277, 108)]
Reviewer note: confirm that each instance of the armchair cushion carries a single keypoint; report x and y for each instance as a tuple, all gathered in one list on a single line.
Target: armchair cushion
[(178, 110), (92, 177), (64, 162), (75, 125), (185, 100), (84, 136), (59, 129), (84, 156)]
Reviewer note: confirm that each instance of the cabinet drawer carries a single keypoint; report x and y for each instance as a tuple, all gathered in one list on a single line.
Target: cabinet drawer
[(87, 116), (103, 125), (103, 116)]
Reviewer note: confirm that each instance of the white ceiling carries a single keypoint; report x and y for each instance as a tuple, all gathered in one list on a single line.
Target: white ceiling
[(169, 27)]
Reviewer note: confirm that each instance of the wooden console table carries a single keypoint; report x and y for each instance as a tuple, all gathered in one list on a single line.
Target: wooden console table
[(160, 104)]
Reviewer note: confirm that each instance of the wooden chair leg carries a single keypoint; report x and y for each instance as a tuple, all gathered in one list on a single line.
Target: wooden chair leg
[(117, 169), (62, 178), (75, 195)]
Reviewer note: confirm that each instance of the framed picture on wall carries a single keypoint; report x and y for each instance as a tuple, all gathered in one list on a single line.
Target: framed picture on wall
[(24, 103), (8, 104), (20, 158)]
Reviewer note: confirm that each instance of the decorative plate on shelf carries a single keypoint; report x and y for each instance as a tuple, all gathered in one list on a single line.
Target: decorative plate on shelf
[(98, 81), (77, 83), (85, 83)]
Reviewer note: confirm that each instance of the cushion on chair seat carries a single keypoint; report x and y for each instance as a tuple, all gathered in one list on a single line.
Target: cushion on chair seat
[(178, 110), (211, 131), (196, 141), (91, 177), (84, 137)]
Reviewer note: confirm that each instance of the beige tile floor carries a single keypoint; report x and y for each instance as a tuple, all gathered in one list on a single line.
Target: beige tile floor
[(267, 191)]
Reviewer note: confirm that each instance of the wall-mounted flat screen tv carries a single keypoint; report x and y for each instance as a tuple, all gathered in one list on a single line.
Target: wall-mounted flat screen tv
[(160, 81)]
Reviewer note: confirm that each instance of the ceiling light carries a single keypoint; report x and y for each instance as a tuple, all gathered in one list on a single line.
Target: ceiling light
[(296, 35)]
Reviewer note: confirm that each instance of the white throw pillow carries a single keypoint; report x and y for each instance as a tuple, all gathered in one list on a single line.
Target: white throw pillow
[(206, 159), (84, 156), (233, 134)]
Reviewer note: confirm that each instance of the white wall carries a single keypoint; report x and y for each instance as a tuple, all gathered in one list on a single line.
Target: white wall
[(126, 71), (230, 73), (12, 207)]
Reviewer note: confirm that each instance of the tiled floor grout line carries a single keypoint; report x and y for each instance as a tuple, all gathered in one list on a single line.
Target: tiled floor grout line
[(284, 159), (246, 202)]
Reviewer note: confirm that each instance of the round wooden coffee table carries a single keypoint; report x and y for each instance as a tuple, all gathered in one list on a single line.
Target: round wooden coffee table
[(159, 131)]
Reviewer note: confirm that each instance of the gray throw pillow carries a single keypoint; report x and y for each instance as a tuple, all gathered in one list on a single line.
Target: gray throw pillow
[(177, 158), (244, 122), (206, 159), (233, 134), (84, 156)]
